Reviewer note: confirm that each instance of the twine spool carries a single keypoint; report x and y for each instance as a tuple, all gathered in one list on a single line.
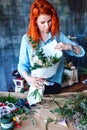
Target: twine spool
[(7, 122)]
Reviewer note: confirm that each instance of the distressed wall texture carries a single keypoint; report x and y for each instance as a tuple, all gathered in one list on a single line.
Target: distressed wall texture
[(14, 18)]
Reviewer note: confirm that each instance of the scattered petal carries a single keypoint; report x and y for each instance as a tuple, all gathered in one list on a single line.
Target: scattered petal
[(63, 122)]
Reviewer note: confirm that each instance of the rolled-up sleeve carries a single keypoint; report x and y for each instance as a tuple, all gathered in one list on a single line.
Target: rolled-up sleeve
[(65, 40)]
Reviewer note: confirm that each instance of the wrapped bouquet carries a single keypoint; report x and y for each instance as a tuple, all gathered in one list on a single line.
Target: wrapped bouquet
[(44, 65)]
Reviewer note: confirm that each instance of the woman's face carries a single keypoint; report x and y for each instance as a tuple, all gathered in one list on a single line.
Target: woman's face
[(44, 23)]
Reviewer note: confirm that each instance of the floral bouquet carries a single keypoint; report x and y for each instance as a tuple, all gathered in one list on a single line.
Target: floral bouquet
[(44, 65)]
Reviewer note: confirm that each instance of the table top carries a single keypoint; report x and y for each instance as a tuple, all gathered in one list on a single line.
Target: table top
[(42, 113)]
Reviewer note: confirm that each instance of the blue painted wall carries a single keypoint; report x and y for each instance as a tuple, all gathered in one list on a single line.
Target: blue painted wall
[(14, 18)]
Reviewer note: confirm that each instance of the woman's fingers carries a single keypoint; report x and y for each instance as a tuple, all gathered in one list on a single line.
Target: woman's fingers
[(59, 46), (39, 83)]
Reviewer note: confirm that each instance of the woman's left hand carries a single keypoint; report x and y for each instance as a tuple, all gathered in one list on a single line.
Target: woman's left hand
[(61, 46)]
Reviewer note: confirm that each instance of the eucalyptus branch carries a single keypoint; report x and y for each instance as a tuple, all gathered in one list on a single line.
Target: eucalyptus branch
[(49, 120), (46, 60), (74, 109), (55, 102), (29, 116)]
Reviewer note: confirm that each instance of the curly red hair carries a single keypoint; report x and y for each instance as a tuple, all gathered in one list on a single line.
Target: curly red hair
[(42, 7)]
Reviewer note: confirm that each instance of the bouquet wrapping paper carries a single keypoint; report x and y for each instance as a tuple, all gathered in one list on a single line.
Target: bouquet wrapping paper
[(44, 72)]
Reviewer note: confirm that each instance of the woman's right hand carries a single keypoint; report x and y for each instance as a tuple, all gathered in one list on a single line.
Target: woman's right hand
[(37, 82)]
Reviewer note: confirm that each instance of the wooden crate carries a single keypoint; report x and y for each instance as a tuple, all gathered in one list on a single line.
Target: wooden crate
[(73, 77)]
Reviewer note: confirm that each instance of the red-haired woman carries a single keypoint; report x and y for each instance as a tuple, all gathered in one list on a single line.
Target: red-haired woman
[(44, 28)]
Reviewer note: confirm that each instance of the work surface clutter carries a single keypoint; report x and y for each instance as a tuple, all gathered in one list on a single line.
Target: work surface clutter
[(45, 115)]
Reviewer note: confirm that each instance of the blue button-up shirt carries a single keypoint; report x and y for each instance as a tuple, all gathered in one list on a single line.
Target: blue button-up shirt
[(26, 52)]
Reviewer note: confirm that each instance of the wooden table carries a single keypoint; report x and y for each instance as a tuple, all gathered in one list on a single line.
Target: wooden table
[(41, 114)]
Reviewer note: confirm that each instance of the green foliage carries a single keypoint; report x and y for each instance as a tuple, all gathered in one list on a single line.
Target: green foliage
[(83, 70), (41, 55), (36, 66), (20, 110), (36, 94), (8, 98), (46, 61), (65, 78), (74, 109), (33, 42)]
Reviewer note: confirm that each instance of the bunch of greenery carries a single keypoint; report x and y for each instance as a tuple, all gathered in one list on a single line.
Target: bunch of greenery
[(75, 110), (46, 60), (20, 108)]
